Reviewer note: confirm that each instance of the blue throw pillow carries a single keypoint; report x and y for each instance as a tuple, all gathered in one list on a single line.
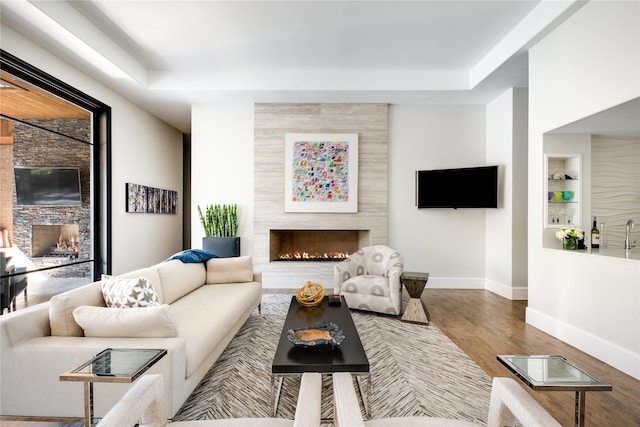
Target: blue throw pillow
[(193, 256)]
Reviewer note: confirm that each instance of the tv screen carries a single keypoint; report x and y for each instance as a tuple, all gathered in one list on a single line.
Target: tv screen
[(48, 186), (457, 188)]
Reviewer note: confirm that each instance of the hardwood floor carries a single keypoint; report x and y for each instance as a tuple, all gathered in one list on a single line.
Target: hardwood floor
[(484, 325)]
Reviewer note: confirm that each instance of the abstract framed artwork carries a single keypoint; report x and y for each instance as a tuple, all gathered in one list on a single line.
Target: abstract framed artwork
[(321, 172), (143, 199)]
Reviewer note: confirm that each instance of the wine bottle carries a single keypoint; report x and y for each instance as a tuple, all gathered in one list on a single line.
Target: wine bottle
[(595, 235)]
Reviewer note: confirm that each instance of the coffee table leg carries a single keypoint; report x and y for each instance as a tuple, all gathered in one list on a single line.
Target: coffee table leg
[(366, 394), (276, 387), (88, 404), (580, 403)]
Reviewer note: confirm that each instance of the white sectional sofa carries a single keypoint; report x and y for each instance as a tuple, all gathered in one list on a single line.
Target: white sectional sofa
[(203, 305)]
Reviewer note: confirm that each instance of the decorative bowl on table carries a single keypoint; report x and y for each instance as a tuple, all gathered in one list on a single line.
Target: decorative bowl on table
[(311, 294), (322, 336)]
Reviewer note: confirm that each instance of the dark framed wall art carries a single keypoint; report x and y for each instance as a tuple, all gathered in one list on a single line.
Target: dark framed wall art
[(144, 199)]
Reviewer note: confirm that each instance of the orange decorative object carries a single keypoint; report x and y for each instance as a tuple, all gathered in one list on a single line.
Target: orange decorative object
[(310, 294)]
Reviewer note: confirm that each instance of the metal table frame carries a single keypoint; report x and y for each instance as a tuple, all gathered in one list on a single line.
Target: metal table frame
[(99, 369), (364, 390), (581, 382)]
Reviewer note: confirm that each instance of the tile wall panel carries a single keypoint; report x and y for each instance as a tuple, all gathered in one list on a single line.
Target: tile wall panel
[(615, 186), (271, 123)]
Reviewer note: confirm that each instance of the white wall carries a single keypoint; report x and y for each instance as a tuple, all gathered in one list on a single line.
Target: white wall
[(589, 63), (449, 244), (144, 150), (222, 166), (433, 241), (506, 228)]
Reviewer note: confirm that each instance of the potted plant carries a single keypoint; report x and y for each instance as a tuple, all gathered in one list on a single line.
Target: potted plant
[(220, 224), (570, 237)]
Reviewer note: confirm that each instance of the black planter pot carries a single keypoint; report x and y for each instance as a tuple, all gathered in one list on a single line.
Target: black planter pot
[(224, 247)]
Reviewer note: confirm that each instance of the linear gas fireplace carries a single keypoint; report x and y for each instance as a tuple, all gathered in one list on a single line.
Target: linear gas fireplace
[(315, 245)]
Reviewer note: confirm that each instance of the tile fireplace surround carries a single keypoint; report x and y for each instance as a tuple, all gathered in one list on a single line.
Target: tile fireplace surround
[(273, 226)]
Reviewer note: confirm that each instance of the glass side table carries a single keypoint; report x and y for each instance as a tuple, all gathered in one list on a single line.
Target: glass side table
[(555, 373), (113, 365)]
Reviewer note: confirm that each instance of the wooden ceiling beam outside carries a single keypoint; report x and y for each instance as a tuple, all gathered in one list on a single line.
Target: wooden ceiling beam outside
[(23, 101)]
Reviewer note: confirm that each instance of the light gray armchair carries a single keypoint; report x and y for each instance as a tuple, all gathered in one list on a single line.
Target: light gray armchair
[(143, 405), (370, 279), (510, 405)]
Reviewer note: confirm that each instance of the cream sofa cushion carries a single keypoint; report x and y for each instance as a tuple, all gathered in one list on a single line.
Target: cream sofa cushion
[(224, 303), (61, 308), (178, 279), (139, 322), (230, 270)]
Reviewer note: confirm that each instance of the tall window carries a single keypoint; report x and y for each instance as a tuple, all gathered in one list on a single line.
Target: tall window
[(54, 186)]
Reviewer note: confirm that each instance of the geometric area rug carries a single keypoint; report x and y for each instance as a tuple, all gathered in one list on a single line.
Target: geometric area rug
[(416, 370)]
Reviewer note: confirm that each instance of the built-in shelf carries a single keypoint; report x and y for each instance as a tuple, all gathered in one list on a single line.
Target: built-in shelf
[(563, 190), (562, 202)]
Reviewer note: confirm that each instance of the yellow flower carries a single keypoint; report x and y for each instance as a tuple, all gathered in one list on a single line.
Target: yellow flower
[(564, 233)]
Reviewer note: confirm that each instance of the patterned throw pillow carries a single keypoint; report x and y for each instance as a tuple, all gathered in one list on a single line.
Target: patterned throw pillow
[(125, 293)]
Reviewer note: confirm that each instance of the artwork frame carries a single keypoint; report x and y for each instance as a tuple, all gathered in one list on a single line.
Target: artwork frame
[(145, 199), (321, 172)]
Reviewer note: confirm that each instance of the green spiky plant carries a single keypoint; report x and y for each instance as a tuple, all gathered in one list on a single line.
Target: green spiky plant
[(219, 220)]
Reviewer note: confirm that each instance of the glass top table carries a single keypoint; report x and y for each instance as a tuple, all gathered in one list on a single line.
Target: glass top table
[(555, 373), (113, 365)]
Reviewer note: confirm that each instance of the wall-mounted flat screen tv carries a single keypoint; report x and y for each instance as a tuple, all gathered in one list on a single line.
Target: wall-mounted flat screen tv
[(462, 188), (48, 186)]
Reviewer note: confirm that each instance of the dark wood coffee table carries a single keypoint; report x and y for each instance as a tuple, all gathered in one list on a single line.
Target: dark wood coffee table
[(350, 356)]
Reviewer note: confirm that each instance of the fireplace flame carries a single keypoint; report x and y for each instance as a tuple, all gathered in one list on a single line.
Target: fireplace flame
[(306, 256), (64, 246)]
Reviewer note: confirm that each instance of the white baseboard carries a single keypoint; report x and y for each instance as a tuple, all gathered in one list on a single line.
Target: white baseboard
[(518, 293), (456, 283), (610, 353)]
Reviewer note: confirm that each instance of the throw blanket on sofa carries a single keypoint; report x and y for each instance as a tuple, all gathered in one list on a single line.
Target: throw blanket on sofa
[(192, 256)]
